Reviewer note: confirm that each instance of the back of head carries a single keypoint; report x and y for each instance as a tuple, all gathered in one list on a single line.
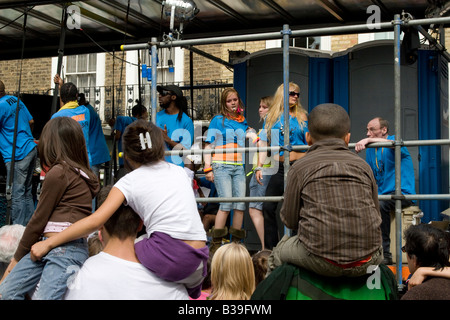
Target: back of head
[(138, 110), (68, 92), (82, 99), (328, 121), (260, 263), (124, 223), (139, 152), (232, 273), (428, 244), (10, 236), (62, 142)]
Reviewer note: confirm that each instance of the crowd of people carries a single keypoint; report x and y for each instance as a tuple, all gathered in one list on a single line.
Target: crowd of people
[(157, 242)]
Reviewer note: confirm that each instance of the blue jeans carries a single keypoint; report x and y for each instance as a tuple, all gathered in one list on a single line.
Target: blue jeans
[(22, 203), (258, 190), (52, 272), (229, 180)]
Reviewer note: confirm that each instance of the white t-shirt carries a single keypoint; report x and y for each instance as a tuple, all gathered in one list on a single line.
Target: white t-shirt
[(162, 195), (106, 277)]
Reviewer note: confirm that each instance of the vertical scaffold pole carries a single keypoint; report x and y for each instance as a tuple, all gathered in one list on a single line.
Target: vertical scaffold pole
[(154, 53), (286, 32), (398, 145)]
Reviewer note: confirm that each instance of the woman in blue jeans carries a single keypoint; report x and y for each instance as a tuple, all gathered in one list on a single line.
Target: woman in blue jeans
[(226, 169), (66, 197)]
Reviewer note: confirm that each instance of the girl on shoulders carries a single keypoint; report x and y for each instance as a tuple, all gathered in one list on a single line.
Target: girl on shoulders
[(66, 197), (161, 193)]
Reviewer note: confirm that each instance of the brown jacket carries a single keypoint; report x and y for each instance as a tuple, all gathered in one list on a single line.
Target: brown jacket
[(66, 196), (331, 197)]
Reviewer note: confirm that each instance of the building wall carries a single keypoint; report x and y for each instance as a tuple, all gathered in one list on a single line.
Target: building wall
[(36, 75), (206, 69)]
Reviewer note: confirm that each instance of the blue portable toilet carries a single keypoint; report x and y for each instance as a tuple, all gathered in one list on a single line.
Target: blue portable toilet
[(363, 83)]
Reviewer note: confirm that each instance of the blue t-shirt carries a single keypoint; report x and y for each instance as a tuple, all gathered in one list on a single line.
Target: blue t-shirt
[(222, 132), (121, 123), (179, 131), (382, 162), (296, 133), (25, 141), (97, 143), (81, 115)]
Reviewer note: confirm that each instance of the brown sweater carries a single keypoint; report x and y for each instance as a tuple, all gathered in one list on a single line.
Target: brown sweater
[(435, 288), (66, 196), (331, 197)]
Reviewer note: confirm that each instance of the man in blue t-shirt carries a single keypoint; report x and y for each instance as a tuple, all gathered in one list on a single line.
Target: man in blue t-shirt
[(22, 204), (70, 108), (382, 162), (177, 127)]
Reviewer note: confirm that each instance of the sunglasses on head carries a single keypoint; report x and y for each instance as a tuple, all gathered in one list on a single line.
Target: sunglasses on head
[(165, 93), (293, 94)]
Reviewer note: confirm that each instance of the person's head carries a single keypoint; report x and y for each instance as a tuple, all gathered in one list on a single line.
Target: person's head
[(426, 246), (124, 224), (68, 92), (139, 111), (82, 99), (230, 102), (62, 142), (232, 273), (137, 149), (377, 128), (2, 89), (172, 95), (327, 121), (264, 105), (277, 107), (95, 244), (260, 263), (10, 236)]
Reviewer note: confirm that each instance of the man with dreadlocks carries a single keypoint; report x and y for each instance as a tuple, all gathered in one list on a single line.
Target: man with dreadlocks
[(22, 205), (177, 127)]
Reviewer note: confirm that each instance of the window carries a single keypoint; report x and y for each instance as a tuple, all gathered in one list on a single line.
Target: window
[(82, 71)]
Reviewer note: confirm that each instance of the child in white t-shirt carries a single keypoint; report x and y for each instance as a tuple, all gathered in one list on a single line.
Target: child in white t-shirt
[(161, 193)]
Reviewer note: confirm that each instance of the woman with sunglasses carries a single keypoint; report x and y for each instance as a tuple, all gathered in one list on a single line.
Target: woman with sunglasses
[(273, 135)]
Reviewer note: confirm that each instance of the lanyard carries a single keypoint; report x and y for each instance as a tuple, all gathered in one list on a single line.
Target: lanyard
[(376, 158)]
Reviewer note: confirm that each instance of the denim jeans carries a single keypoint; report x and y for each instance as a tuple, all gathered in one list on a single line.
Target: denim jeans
[(258, 190), (22, 203), (230, 182), (52, 272)]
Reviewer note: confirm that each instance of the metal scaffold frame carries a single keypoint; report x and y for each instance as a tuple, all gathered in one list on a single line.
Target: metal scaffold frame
[(285, 34)]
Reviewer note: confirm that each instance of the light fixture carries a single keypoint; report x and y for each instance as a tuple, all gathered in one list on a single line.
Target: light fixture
[(181, 10)]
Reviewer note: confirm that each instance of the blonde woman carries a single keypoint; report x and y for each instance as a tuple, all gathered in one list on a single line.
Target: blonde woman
[(273, 135), (258, 188), (232, 273)]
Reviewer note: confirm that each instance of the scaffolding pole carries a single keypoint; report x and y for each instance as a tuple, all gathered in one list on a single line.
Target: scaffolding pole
[(398, 145)]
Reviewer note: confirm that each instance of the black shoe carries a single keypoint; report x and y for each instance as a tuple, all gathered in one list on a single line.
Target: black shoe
[(387, 261)]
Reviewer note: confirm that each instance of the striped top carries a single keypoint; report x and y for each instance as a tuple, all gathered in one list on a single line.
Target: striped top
[(331, 197)]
